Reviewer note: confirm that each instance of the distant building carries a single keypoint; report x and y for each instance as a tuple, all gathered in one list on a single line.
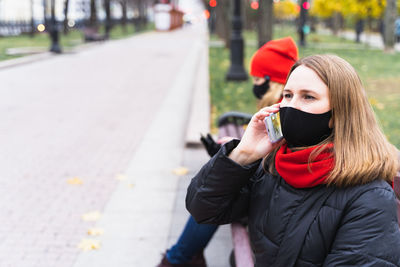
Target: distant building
[(16, 15), (21, 10)]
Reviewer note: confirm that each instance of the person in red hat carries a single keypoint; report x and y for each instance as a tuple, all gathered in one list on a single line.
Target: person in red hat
[(269, 67)]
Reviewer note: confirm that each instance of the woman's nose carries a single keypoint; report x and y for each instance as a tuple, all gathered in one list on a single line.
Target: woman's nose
[(294, 103)]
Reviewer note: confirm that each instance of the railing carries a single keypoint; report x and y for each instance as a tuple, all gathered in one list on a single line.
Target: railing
[(14, 28)]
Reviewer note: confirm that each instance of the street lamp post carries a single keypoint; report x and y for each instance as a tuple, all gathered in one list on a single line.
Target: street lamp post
[(53, 31), (236, 71)]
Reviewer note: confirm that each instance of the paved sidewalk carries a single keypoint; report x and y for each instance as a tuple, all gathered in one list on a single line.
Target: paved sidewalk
[(96, 132), (372, 39)]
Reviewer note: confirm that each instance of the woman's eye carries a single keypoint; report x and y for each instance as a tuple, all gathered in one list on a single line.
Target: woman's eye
[(287, 95), (309, 97)]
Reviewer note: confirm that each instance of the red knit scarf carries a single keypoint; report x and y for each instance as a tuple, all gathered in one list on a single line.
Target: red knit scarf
[(294, 168)]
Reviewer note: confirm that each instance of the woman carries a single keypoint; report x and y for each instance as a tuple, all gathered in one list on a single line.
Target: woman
[(269, 68), (320, 197)]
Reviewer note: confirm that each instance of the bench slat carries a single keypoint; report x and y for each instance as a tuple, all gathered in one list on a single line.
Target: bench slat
[(398, 210), (240, 238), (241, 243), (397, 185)]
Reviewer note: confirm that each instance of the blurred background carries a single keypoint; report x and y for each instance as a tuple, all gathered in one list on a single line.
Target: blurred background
[(364, 32), (95, 100)]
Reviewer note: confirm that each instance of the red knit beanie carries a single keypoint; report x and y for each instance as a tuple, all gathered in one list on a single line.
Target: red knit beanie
[(274, 59)]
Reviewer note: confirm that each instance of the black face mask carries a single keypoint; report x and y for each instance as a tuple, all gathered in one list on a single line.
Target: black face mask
[(300, 128), (260, 90)]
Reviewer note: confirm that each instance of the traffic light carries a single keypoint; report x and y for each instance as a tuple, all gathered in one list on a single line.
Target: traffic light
[(303, 28), (306, 5), (213, 3), (254, 5)]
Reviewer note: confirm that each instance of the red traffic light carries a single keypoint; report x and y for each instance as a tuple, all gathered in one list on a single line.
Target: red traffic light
[(213, 3), (254, 5), (306, 5)]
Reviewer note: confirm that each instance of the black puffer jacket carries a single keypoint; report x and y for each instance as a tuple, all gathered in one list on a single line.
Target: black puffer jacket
[(320, 226)]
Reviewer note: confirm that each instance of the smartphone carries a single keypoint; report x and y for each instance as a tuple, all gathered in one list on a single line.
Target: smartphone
[(273, 125)]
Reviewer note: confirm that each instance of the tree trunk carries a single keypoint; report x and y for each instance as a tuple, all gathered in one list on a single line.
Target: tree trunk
[(124, 14), (212, 19), (359, 28), (53, 29), (223, 21), (250, 19), (265, 21), (107, 9), (93, 14), (53, 10), (302, 23), (388, 26), (336, 21), (32, 33), (45, 13), (66, 27), (243, 14), (142, 14)]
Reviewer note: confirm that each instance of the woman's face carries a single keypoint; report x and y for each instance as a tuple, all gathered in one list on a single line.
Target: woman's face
[(305, 91), (258, 80)]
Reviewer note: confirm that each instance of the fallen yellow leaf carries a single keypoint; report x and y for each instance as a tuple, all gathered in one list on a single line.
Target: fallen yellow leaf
[(121, 177), (89, 244), (96, 231), (180, 171), (380, 106), (91, 216), (372, 101), (75, 181), (375, 103)]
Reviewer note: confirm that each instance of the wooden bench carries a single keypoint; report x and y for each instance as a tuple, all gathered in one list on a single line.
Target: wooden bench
[(91, 34), (396, 186), (233, 124)]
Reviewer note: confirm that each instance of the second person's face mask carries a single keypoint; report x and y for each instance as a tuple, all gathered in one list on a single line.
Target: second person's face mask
[(260, 90), (301, 128)]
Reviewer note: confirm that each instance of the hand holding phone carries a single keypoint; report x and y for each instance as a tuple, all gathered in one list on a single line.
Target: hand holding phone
[(255, 143), (273, 125)]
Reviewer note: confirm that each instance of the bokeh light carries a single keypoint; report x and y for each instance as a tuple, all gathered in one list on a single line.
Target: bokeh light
[(254, 5), (41, 28), (213, 3)]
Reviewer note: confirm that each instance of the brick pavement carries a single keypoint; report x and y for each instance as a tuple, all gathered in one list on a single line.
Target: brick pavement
[(77, 115)]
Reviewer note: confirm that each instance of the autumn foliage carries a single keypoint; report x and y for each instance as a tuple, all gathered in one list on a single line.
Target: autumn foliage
[(350, 8)]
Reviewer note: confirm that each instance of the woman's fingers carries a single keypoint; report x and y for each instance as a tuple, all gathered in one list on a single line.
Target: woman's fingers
[(271, 109), (266, 111)]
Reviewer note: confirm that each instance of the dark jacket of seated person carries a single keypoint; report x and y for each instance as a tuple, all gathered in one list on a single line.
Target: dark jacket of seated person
[(319, 193), (355, 226)]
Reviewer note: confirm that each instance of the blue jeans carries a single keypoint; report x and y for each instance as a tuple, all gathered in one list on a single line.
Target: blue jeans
[(193, 239)]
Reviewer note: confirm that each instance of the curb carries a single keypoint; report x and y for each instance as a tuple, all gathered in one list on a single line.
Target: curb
[(199, 120), (24, 60)]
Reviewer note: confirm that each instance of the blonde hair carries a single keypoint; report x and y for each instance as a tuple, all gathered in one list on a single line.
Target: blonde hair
[(271, 97), (361, 151)]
